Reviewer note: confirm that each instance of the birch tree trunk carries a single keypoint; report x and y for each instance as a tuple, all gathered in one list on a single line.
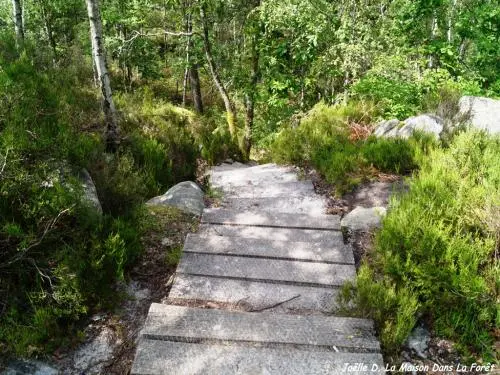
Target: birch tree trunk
[(99, 57), (434, 27), (18, 21), (230, 110), (188, 60)]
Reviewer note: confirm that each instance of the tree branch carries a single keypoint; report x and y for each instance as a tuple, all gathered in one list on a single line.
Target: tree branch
[(20, 256), (136, 34), (4, 161)]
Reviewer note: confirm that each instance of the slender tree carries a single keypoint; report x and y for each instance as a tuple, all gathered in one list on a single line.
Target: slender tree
[(188, 28), (230, 109), (18, 21), (47, 20), (192, 70), (255, 30), (194, 80), (99, 57)]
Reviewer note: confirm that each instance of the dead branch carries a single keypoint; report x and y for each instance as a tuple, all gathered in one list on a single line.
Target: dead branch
[(276, 304), (4, 161), (20, 256), (136, 34)]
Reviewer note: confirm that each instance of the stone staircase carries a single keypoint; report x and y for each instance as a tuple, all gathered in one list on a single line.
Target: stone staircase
[(269, 265)]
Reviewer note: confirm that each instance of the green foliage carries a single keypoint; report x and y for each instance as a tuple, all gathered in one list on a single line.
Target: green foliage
[(60, 260), (159, 142), (389, 155), (400, 56), (436, 250), (393, 310), (323, 139), (214, 140), (174, 256), (401, 90)]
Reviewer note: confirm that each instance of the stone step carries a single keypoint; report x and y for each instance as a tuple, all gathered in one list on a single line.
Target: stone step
[(281, 189), (188, 324), (254, 295), (292, 205), (333, 252), (261, 269), (155, 357), (252, 176), (225, 167), (279, 234), (270, 219)]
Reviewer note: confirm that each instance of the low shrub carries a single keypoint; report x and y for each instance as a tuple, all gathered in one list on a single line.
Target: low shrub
[(159, 140), (389, 155), (436, 255), (59, 259), (324, 140)]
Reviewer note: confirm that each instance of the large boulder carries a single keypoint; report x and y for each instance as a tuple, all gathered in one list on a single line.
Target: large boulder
[(426, 123), (186, 196), (483, 113), (385, 127)]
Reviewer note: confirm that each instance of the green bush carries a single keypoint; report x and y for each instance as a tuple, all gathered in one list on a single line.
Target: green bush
[(438, 245), (389, 155), (159, 140), (214, 140), (396, 97), (323, 140), (400, 89), (59, 259)]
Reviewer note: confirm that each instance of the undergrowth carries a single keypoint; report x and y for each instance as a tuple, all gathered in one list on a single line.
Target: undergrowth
[(328, 139), (436, 256), (60, 260)]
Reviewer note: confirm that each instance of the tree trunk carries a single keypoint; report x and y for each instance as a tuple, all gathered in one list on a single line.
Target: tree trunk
[(250, 97), (434, 26), (194, 80), (451, 17), (188, 60), (99, 57), (230, 110), (48, 29), (255, 31), (18, 21)]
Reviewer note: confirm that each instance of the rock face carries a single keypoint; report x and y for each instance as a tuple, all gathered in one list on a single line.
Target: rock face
[(363, 219), (426, 123), (62, 173), (483, 113), (29, 367), (91, 357), (385, 127), (418, 341), (186, 196), (89, 191)]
